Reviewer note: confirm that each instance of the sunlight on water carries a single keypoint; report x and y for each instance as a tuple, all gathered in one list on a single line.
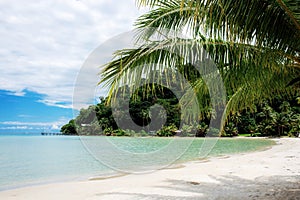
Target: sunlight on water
[(26, 160)]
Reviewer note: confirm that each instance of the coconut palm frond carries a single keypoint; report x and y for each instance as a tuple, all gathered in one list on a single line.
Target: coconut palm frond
[(246, 21), (292, 9), (149, 61), (254, 46)]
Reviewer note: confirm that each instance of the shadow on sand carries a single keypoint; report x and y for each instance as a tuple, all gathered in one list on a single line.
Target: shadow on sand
[(225, 188)]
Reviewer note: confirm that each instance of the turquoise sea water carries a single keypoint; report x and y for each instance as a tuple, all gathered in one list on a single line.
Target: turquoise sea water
[(28, 159)]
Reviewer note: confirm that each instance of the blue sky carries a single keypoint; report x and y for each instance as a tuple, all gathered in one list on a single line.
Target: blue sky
[(43, 45), (25, 113)]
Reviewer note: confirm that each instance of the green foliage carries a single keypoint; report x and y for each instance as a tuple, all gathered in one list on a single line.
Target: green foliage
[(230, 130), (119, 132), (167, 131), (195, 130), (254, 44), (99, 119), (247, 123), (108, 131), (149, 108), (279, 117), (200, 129), (214, 132), (267, 120), (186, 131), (142, 133), (69, 129)]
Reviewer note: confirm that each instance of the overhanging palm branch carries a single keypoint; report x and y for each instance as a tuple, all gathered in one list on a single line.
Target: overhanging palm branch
[(255, 44), (254, 76), (273, 23)]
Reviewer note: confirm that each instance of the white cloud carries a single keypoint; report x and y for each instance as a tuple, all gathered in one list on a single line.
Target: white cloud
[(54, 126), (59, 104), (25, 116), (17, 93), (14, 125), (15, 128), (60, 122), (44, 43)]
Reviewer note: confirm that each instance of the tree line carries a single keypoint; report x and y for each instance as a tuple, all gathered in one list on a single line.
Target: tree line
[(255, 46), (274, 117)]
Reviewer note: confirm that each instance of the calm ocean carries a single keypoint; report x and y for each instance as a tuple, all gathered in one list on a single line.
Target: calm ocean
[(29, 160), (32, 159)]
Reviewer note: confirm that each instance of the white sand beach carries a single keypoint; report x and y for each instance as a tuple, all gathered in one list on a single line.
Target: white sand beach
[(270, 174)]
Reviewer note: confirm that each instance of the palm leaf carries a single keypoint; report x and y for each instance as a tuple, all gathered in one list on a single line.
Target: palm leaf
[(255, 44), (238, 21), (161, 55)]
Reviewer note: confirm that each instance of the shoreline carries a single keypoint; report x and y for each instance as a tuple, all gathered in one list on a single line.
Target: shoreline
[(273, 173), (106, 175)]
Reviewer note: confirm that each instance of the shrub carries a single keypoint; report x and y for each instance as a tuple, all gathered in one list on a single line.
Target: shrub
[(119, 132), (108, 131), (230, 130), (167, 131)]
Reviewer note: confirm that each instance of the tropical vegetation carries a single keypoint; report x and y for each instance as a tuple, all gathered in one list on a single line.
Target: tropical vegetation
[(254, 44), (281, 117)]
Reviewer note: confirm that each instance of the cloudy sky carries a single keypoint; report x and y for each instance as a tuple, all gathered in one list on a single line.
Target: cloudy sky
[(43, 47)]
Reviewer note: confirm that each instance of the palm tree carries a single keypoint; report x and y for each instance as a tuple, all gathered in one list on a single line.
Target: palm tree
[(254, 43)]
